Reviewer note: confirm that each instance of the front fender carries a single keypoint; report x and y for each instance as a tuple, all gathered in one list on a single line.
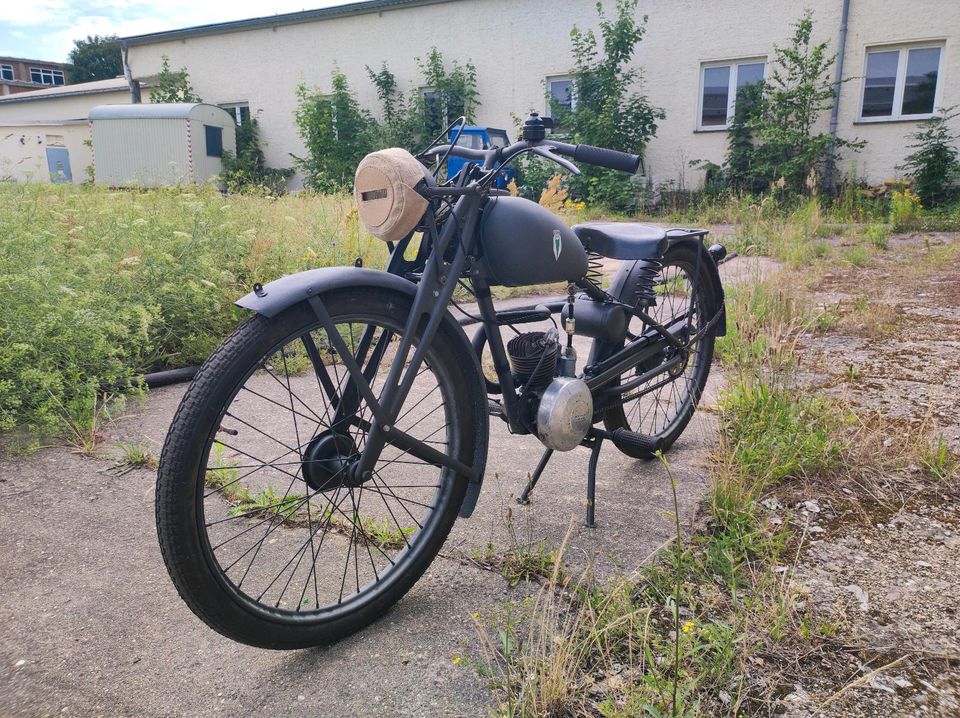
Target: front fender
[(274, 297), (280, 294)]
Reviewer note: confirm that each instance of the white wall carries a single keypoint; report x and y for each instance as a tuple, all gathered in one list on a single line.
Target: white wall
[(516, 45), (23, 150)]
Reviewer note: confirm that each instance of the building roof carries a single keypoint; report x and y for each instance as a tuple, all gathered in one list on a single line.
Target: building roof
[(115, 84), (148, 111), (291, 18), (27, 60)]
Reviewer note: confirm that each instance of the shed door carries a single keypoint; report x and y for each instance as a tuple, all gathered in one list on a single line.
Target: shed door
[(58, 162)]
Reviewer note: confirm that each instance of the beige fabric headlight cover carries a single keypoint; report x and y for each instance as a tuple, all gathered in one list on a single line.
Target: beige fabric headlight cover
[(387, 204)]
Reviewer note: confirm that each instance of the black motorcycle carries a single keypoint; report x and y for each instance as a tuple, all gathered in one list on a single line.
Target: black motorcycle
[(318, 460)]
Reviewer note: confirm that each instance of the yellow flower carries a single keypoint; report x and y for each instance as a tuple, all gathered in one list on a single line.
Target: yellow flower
[(457, 659), (689, 626)]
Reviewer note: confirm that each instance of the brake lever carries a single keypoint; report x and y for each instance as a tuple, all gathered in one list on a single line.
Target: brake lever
[(566, 164)]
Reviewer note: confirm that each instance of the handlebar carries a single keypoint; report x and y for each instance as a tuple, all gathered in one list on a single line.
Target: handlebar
[(598, 156)]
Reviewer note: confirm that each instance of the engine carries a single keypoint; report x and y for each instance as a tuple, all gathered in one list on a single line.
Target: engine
[(560, 408)]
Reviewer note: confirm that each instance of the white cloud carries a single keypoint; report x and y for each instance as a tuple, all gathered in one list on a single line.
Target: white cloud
[(46, 29)]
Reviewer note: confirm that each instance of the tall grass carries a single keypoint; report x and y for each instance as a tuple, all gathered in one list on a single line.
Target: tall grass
[(101, 285)]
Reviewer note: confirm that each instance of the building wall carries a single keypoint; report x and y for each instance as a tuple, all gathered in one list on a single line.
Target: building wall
[(21, 75), (515, 46), (70, 107), (23, 150)]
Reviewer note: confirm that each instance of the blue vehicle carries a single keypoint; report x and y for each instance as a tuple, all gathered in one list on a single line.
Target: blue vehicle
[(479, 138)]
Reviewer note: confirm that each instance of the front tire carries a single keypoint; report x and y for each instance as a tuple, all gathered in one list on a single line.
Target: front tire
[(262, 538)]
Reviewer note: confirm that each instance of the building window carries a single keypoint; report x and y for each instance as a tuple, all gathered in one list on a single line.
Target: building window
[(561, 94), (719, 85), (46, 76), (214, 140), (240, 112), (6, 72), (901, 83)]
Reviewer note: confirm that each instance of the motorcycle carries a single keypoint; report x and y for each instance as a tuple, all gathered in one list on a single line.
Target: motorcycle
[(320, 457)]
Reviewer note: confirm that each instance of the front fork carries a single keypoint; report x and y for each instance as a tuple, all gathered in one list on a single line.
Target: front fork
[(434, 292)]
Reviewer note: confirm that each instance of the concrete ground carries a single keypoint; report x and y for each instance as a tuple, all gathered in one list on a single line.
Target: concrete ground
[(91, 625)]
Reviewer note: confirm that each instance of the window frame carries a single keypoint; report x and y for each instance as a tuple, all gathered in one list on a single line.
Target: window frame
[(54, 74), (734, 65), (573, 91), (903, 49), (5, 67), (211, 132), (236, 111)]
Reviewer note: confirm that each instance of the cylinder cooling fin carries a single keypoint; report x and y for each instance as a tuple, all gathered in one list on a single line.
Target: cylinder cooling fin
[(533, 357)]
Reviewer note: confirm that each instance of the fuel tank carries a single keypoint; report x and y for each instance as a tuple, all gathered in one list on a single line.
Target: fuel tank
[(522, 243)]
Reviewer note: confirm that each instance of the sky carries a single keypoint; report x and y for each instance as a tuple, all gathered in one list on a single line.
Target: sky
[(46, 29)]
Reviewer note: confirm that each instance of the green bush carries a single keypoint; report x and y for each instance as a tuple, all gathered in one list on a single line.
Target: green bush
[(337, 133), (247, 170), (103, 286), (606, 113), (934, 164)]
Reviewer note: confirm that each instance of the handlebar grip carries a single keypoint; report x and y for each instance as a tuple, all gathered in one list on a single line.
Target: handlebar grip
[(610, 159)]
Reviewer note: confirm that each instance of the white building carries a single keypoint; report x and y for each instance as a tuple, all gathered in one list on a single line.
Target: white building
[(45, 134), (693, 55)]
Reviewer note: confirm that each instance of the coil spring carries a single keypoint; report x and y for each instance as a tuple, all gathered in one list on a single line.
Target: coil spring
[(648, 272), (594, 268)]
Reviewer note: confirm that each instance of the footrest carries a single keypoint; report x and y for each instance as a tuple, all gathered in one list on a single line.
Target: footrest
[(638, 442)]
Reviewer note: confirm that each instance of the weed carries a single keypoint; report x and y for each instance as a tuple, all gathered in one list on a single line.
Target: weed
[(937, 459), (905, 211), (858, 256), (525, 558), (133, 455), (383, 533), (878, 235)]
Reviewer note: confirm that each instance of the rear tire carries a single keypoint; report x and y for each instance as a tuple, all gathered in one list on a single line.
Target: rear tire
[(664, 413), (233, 402)]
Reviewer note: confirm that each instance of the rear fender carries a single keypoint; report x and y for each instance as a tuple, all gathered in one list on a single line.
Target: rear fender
[(271, 299)]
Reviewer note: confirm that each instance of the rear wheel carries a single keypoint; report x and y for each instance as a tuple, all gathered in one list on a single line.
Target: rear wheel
[(266, 533), (662, 407)]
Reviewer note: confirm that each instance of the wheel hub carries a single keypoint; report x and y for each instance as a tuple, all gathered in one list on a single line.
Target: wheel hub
[(327, 460)]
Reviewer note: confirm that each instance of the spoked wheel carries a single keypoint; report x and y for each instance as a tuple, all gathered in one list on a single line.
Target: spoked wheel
[(663, 406), (268, 535)]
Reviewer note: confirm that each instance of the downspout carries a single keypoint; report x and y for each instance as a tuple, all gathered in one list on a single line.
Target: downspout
[(128, 73), (828, 180)]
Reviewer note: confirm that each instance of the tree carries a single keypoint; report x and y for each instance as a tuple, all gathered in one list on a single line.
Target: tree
[(934, 164), (96, 58), (606, 113), (173, 85), (395, 128), (741, 153), (798, 91), (448, 94), (337, 133)]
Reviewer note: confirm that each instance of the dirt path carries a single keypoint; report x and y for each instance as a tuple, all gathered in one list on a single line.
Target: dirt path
[(91, 625), (885, 573)]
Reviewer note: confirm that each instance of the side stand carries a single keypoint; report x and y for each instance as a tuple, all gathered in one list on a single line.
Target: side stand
[(592, 479), (524, 498)]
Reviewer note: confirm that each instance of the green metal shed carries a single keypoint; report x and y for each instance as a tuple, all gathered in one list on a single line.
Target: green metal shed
[(153, 145)]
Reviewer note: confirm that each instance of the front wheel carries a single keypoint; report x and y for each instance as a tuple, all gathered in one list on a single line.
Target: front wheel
[(267, 535), (662, 407)]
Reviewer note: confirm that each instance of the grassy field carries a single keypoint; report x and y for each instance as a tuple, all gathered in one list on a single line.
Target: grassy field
[(103, 286)]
